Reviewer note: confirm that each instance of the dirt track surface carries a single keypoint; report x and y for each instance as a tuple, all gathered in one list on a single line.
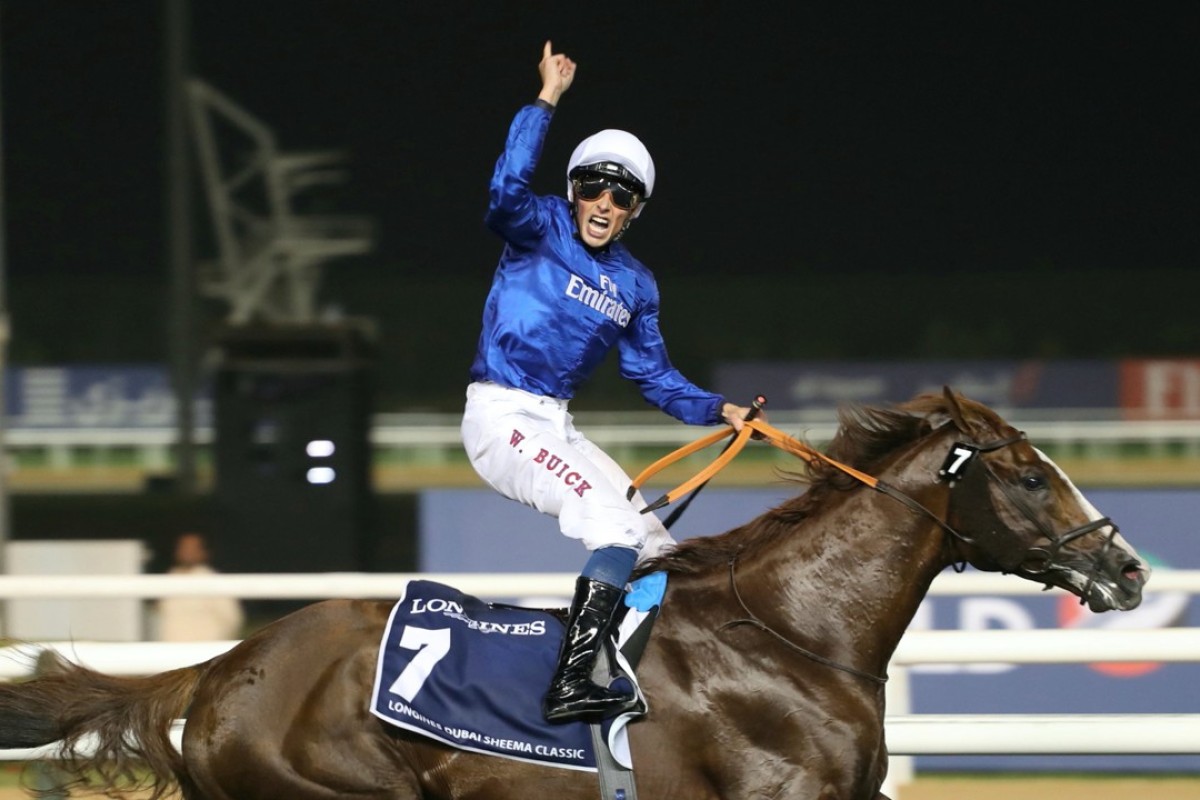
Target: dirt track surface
[(1066, 788), (988, 788)]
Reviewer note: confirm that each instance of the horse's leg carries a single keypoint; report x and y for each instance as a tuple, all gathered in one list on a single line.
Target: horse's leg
[(285, 715)]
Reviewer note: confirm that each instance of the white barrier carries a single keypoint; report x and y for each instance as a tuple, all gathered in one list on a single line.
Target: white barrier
[(1043, 734), (310, 586), (388, 585), (1066, 427), (1048, 646), (113, 658), (917, 647)]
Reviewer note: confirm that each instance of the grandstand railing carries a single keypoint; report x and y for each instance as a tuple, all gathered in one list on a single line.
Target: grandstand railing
[(320, 585), (405, 440)]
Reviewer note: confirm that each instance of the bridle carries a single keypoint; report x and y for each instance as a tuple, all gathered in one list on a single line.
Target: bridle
[(1034, 563)]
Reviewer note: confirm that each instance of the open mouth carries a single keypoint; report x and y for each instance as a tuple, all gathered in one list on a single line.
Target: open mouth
[(1103, 592), (1135, 572), (598, 227)]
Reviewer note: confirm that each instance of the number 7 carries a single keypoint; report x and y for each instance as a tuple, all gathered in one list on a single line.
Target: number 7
[(962, 454), (431, 647)]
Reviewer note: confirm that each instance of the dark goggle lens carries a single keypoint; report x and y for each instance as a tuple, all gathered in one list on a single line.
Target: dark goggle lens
[(623, 196)]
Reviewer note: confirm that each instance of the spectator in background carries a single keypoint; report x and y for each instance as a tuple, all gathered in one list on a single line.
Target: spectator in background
[(197, 619)]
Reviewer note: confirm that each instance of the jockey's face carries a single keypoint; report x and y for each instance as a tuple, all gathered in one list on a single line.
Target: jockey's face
[(599, 221)]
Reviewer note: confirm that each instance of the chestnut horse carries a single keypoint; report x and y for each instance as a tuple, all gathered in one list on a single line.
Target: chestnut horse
[(764, 672)]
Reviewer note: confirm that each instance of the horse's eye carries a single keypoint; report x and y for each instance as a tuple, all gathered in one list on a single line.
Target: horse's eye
[(1033, 483)]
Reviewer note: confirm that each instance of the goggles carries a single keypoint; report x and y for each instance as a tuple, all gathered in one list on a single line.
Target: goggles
[(590, 187)]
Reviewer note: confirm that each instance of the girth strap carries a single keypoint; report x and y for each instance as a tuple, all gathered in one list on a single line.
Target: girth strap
[(616, 782)]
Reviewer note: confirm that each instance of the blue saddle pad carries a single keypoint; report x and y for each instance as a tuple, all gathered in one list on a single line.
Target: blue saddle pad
[(472, 675)]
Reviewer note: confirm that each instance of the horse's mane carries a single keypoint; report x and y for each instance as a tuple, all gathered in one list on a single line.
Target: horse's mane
[(866, 436)]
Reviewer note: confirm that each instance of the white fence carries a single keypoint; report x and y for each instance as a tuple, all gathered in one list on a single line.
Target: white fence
[(917, 647), (1061, 426), (435, 435), (908, 734), (386, 585)]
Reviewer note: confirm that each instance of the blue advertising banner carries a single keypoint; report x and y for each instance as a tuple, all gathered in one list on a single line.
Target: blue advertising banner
[(107, 396), (473, 530), (1003, 385)]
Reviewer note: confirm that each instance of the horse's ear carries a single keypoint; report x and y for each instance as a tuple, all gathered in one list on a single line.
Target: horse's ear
[(955, 410)]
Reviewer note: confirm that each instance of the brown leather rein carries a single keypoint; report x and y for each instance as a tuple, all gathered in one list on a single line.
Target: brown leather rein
[(755, 428)]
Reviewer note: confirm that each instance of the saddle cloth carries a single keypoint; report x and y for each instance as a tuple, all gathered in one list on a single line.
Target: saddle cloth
[(472, 675)]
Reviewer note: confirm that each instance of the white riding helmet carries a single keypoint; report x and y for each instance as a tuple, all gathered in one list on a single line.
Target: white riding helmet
[(614, 149)]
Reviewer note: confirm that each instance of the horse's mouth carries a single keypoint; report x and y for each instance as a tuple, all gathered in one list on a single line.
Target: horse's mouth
[(1119, 589)]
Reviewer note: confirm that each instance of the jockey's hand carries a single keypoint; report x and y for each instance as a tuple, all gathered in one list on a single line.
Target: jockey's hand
[(736, 415), (557, 72)]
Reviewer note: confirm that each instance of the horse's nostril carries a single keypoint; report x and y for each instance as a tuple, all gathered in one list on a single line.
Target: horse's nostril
[(1132, 571)]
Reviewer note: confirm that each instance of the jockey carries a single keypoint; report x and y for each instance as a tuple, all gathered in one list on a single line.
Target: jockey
[(565, 294)]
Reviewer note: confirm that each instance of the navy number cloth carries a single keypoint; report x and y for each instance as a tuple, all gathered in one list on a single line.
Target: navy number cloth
[(472, 675)]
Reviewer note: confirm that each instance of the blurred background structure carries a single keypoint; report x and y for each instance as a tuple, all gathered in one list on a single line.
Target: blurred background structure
[(275, 209)]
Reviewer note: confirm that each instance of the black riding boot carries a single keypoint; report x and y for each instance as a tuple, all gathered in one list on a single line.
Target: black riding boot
[(572, 694)]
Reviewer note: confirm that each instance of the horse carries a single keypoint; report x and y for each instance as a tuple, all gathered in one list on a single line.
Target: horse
[(764, 672)]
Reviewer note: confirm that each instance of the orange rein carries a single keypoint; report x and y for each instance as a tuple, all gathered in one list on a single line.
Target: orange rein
[(752, 427)]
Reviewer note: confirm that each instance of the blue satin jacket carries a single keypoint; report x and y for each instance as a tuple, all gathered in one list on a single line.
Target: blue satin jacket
[(556, 307)]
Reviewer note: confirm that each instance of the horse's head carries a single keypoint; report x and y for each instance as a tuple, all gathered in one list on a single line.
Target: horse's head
[(1013, 510)]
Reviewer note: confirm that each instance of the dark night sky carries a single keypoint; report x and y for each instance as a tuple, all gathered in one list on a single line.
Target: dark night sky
[(791, 139), (925, 137)]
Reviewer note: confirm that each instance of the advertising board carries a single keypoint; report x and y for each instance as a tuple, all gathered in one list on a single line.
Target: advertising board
[(101, 396), (1127, 389)]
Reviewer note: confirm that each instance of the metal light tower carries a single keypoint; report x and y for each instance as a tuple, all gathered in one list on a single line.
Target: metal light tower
[(179, 240), (4, 334)]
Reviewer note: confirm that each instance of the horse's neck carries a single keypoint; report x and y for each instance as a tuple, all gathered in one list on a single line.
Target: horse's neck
[(850, 578)]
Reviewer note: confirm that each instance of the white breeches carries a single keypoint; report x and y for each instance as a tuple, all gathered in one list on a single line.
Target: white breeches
[(527, 448)]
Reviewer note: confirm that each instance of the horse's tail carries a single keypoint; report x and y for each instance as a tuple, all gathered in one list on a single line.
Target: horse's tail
[(113, 728)]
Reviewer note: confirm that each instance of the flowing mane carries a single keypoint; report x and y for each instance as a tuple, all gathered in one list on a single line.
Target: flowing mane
[(866, 437)]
